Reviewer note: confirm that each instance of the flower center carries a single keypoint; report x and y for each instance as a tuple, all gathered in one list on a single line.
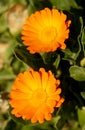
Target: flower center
[(38, 97), (48, 34)]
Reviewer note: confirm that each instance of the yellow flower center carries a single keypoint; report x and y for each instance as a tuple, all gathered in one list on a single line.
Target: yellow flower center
[(48, 34), (38, 97)]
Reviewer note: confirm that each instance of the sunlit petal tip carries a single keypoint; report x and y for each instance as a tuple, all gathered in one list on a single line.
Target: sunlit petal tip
[(58, 82), (60, 102)]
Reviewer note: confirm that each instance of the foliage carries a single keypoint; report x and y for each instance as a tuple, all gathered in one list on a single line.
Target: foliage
[(67, 65)]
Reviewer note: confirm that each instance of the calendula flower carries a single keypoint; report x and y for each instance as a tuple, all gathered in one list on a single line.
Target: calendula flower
[(45, 31), (34, 95)]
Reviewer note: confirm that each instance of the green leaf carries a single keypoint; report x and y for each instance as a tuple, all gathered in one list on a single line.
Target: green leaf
[(5, 37), (9, 51), (11, 125), (3, 24), (37, 127), (27, 127), (33, 60), (82, 62), (83, 94), (20, 1), (6, 74), (57, 61), (77, 73), (18, 120), (81, 116), (4, 5), (82, 30), (83, 36), (69, 55), (65, 4), (18, 66), (35, 5), (31, 9), (83, 127)]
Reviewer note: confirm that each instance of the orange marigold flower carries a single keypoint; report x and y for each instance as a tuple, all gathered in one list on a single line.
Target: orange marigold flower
[(34, 95), (45, 31)]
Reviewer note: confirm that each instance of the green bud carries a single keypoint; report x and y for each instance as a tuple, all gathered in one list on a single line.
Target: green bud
[(82, 62)]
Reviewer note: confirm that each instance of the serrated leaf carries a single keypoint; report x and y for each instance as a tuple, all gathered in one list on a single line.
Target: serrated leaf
[(33, 60), (77, 73)]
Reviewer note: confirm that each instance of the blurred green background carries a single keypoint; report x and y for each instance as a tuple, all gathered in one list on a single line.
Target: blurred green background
[(13, 14)]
